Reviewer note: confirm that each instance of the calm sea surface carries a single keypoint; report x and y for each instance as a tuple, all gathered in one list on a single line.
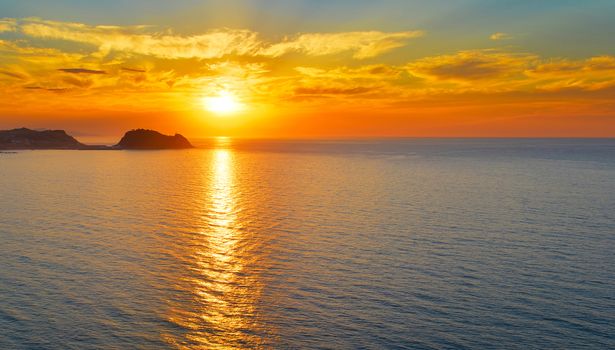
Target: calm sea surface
[(398, 244)]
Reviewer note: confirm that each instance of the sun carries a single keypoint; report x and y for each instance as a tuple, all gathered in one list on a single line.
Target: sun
[(224, 103)]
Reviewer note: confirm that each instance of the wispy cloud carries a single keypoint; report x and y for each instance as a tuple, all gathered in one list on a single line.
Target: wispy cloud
[(45, 89), (500, 36), (567, 67), (134, 70), (7, 25), (331, 91), (361, 44), (136, 40), (368, 72), (213, 44), (15, 75), (592, 74), (495, 71), (471, 65)]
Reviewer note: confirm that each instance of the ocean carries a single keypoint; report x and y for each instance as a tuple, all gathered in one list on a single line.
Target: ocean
[(347, 244)]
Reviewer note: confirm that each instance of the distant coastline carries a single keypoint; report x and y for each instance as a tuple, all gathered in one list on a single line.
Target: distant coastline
[(137, 139)]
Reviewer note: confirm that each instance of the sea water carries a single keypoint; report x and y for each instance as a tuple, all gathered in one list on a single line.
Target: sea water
[(354, 244)]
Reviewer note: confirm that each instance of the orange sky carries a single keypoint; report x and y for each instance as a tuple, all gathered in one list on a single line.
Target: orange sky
[(97, 80)]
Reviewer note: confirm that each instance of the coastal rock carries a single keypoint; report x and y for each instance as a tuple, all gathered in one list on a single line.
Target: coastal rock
[(150, 139), (25, 138)]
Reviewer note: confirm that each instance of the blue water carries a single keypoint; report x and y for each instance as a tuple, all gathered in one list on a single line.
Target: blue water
[(371, 244)]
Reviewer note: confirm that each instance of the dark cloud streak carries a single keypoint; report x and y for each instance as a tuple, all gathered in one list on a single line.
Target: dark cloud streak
[(13, 74), (45, 89), (133, 70), (81, 71), (331, 91)]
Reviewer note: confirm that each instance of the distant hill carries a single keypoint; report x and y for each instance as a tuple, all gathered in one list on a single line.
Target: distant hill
[(150, 139), (31, 139), (25, 138)]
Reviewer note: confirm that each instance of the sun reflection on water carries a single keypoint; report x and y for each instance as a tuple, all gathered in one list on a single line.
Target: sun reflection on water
[(223, 313)]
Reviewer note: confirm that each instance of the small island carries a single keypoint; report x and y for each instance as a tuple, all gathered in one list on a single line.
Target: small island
[(150, 139), (139, 139)]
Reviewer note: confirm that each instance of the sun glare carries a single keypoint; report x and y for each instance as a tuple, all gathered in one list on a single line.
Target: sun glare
[(224, 103)]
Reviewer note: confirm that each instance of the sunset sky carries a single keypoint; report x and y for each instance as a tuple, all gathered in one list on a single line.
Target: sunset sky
[(309, 68)]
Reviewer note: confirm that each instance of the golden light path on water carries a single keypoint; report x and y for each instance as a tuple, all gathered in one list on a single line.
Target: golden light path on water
[(222, 314)]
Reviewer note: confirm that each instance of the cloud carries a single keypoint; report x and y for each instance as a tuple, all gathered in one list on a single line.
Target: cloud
[(574, 67), (45, 89), (15, 75), (500, 36), (134, 70), (133, 39), (81, 71), (18, 50), (369, 72), (344, 83), (600, 63), (362, 44), (593, 73), (496, 71), (471, 65), (7, 25), (331, 91), (213, 44), (77, 82)]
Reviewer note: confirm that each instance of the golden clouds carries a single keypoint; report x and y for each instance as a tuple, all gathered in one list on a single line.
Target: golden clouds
[(364, 82), (137, 40), (213, 44), (566, 67), (368, 72), (496, 71), (591, 74), (472, 65), (7, 25), (361, 44)]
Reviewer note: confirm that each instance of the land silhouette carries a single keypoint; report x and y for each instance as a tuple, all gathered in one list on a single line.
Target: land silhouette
[(150, 139), (139, 139)]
